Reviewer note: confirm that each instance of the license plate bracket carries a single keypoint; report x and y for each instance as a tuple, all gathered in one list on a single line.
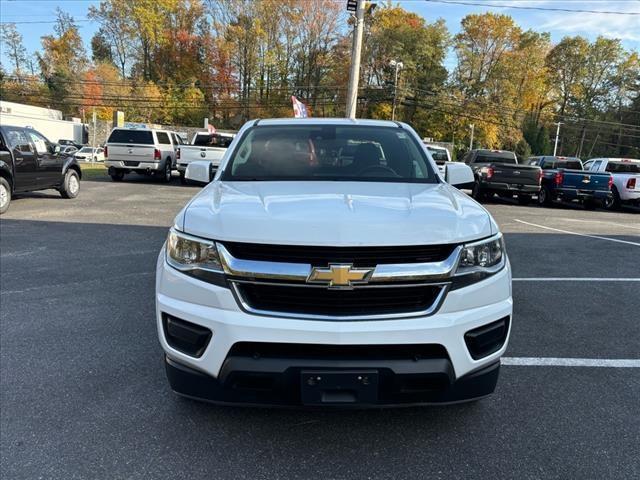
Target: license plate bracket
[(339, 387)]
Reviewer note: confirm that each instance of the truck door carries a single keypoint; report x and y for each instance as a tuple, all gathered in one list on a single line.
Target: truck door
[(49, 162), (24, 158)]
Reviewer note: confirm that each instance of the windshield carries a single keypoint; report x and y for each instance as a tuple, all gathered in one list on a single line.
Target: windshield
[(329, 152), (143, 137), (506, 157), (623, 167), (212, 140), (86, 150), (567, 164), (439, 155)]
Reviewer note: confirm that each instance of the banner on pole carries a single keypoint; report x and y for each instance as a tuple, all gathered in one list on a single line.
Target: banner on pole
[(299, 108)]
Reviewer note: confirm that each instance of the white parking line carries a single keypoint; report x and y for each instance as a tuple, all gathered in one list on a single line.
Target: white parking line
[(569, 362), (579, 234), (599, 222), (574, 279)]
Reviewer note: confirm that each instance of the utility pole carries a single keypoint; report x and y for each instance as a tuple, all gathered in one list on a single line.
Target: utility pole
[(398, 66), (555, 146), (472, 126), (354, 77), (93, 143)]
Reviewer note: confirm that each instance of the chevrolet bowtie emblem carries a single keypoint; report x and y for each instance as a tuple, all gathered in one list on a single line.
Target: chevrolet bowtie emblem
[(340, 275)]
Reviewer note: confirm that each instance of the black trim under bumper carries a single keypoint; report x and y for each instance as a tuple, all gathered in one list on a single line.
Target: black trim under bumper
[(275, 382), (522, 189)]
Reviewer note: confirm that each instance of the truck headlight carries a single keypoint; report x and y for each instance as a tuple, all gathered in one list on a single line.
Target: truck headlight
[(187, 253), (486, 256)]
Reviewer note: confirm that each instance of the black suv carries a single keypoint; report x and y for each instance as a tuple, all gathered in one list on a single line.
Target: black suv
[(28, 162)]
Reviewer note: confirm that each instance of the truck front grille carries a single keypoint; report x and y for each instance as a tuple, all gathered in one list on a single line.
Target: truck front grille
[(392, 300), (358, 256)]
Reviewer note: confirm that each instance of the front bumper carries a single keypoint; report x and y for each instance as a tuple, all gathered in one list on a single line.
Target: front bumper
[(135, 165), (456, 375)]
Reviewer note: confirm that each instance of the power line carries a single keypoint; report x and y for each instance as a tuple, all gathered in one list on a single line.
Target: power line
[(521, 7), (41, 21)]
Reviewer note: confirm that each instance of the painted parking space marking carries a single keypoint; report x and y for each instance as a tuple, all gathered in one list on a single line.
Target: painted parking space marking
[(578, 234), (570, 362), (598, 222), (574, 279)]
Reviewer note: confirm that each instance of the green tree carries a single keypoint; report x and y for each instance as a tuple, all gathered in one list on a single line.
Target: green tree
[(101, 48)]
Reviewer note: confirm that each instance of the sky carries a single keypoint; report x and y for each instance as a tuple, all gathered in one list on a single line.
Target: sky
[(625, 27)]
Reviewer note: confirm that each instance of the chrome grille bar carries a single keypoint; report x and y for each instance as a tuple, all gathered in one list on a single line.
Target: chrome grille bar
[(299, 272)]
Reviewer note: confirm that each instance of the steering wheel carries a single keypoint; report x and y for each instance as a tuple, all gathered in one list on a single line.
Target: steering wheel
[(377, 168)]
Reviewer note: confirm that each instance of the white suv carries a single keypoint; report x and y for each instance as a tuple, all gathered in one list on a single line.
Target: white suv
[(328, 264), (144, 151)]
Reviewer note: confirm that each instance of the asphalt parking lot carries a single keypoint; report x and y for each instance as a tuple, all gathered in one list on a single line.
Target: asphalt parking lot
[(83, 392)]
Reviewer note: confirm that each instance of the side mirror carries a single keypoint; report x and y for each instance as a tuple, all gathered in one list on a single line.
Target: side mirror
[(458, 175), (200, 171), (56, 148)]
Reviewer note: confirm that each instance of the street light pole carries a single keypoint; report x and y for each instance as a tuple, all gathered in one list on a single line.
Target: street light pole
[(354, 77), (398, 66), (555, 146), (472, 126)]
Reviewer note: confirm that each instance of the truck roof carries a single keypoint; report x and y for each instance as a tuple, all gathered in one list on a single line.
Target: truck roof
[(327, 121)]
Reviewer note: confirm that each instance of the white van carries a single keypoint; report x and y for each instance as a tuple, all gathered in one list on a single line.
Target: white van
[(141, 150)]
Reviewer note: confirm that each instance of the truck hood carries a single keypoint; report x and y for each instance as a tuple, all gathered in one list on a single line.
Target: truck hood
[(335, 214)]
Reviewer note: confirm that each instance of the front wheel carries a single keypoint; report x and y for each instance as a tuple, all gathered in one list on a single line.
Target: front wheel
[(5, 195), (70, 185)]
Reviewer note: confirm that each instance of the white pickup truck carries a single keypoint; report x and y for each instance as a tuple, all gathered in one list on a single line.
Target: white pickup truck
[(206, 146), (329, 264), (626, 179)]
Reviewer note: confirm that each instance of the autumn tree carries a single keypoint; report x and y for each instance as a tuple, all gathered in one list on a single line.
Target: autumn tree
[(62, 61), (116, 30)]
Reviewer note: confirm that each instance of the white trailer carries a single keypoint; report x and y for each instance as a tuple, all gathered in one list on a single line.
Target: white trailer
[(45, 120)]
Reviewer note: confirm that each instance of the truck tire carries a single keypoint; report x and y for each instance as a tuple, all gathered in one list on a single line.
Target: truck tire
[(116, 175), (5, 195), (166, 174), (613, 203), (183, 179), (70, 185), (524, 199), (544, 196), (476, 193)]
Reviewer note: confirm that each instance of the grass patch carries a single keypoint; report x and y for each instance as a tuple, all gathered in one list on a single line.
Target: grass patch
[(93, 170)]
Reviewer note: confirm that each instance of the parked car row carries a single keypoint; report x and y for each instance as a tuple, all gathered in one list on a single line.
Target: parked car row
[(604, 182), (159, 152)]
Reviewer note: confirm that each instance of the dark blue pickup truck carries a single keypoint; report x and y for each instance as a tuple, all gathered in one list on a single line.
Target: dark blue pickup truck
[(564, 178)]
